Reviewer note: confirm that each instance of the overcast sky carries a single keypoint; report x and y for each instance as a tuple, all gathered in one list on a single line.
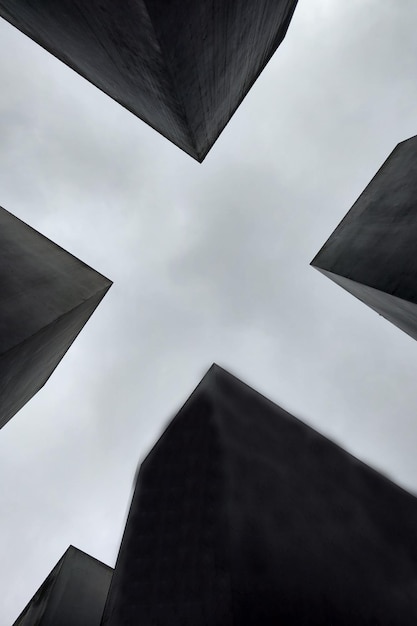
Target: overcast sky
[(210, 263)]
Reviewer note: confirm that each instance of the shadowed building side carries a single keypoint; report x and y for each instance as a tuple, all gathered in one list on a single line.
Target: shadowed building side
[(216, 54), (371, 253), (74, 593), (173, 564), (25, 369), (46, 296), (114, 47), (181, 66), (243, 515)]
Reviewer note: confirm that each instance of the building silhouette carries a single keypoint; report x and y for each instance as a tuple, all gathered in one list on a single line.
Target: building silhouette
[(46, 297), (73, 594), (372, 252), (182, 66), (243, 515)]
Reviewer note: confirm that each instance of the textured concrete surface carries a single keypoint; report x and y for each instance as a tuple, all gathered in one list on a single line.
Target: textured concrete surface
[(74, 593), (372, 252), (46, 297), (182, 66), (243, 515)]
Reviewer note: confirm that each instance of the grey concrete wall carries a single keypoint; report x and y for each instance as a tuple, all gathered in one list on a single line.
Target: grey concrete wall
[(181, 66), (243, 515), (375, 244), (175, 527), (215, 51), (34, 611), (46, 297), (74, 593), (400, 312), (114, 47)]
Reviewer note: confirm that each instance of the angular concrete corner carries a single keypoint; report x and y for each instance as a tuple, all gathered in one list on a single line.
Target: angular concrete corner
[(242, 515), (74, 593), (46, 297), (182, 66), (372, 253)]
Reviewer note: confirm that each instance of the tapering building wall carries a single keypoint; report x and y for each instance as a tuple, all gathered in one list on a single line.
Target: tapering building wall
[(46, 297), (182, 66), (242, 515), (74, 593), (372, 253)]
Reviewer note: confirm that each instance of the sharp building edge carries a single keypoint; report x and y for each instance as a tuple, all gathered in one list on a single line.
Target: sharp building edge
[(73, 594), (371, 253), (47, 296), (243, 515), (182, 66)]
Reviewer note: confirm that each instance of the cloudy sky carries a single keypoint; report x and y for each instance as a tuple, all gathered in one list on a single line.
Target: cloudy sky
[(210, 263)]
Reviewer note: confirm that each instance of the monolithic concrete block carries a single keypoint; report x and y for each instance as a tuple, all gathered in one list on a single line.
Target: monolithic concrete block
[(182, 66), (372, 253), (242, 515), (46, 297), (74, 593)]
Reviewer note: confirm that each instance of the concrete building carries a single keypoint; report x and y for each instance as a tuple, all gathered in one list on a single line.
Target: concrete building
[(182, 66), (372, 253), (46, 297), (74, 593), (242, 515)]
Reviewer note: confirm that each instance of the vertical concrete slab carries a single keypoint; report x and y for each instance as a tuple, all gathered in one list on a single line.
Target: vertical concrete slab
[(243, 515), (46, 297), (74, 593), (372, 252), (182, 66)]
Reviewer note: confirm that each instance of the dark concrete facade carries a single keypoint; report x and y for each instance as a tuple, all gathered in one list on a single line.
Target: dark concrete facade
[(74, 593), (182, 66), (242, 515), (372, 253), (46, 297)]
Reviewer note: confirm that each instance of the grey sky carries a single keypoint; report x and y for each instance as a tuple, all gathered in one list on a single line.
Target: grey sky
[(209, 262)]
